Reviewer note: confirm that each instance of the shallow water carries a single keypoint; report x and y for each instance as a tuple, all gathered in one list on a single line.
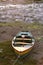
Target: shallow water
[(28, 13)]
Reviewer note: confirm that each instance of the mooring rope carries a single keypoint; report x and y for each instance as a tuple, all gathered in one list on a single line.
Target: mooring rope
[(16, 60)]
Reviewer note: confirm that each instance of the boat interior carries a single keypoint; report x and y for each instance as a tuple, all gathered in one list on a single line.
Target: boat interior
[(22, 41)]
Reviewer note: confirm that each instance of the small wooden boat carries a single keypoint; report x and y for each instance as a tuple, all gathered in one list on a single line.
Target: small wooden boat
[(23, 42)]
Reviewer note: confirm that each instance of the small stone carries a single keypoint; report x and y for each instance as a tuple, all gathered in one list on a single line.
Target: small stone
[(1, 50)]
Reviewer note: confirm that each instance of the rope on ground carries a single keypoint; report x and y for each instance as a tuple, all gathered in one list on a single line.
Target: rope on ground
[(16, 60)]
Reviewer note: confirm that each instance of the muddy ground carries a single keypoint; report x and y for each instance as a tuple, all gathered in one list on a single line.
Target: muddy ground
[(7, 32)]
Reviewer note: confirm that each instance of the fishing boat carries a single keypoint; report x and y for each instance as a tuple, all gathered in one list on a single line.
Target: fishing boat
[(23, 43)]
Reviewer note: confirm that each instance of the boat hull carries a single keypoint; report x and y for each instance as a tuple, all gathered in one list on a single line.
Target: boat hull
[(23, 52)]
